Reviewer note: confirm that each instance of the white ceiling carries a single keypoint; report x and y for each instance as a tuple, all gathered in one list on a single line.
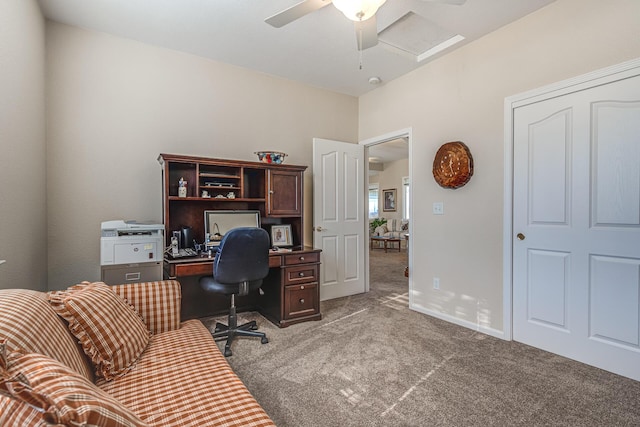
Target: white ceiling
[(389, 151), (318, 49)]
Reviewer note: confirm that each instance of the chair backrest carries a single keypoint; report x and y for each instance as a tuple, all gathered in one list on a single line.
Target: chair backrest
[(243, 256)]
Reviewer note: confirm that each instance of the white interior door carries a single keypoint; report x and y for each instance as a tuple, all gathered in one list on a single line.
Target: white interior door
[(576, 219), (338, 216)]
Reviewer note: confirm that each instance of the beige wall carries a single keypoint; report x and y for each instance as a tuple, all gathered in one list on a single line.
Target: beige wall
[(115, 104), (22, 146), (461, 97), (390, 178)]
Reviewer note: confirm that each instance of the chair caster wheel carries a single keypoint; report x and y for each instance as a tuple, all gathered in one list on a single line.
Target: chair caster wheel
[(254, 327), (264, 340), (227, 352)]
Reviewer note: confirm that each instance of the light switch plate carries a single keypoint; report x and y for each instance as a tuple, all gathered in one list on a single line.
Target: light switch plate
[(438, 208)]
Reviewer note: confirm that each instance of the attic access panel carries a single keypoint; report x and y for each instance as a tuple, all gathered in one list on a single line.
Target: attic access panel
[(415, 36)]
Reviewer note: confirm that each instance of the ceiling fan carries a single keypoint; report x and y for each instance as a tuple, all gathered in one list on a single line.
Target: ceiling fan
[(362, 12)]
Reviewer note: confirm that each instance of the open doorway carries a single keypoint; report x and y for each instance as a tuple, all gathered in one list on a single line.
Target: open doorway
[(389, 211)]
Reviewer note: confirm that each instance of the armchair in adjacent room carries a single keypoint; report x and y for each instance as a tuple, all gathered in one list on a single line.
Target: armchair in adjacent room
[(240, 265)]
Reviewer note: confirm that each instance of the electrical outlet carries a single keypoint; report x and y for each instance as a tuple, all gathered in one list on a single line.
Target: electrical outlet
[(438, 208), (436, 283)]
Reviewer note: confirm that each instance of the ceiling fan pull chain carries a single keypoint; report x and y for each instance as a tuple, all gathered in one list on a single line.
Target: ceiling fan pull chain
[(360, 44)]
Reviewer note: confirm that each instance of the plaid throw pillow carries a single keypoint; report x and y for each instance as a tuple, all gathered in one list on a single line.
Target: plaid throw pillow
[(60, 395), (111, 332)]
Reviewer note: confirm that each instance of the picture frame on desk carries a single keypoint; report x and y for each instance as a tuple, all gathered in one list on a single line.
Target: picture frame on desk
[(281, 235)]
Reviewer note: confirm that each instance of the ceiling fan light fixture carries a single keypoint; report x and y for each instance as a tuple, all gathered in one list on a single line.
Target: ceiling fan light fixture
[(358, 10)]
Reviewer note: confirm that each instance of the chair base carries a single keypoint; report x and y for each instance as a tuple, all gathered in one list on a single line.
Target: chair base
[(232, 330)]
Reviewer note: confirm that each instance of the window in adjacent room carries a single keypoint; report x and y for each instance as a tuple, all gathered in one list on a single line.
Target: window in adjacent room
[(373, 200), (405, 197)]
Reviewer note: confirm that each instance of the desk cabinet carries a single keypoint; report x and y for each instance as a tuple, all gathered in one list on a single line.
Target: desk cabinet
[(291, 292), (284, 197)]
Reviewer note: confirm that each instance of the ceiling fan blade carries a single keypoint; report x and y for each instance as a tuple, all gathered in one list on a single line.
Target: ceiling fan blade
[(367, 33), (296, 11), (456, 2)]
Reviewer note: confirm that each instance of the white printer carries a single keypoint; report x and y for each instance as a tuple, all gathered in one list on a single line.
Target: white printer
[(131, 251)]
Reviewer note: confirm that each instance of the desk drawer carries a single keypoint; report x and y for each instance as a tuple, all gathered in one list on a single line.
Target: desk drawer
[(301, 274), (194, 269), (301, 300), (274, 261), (304, 258)]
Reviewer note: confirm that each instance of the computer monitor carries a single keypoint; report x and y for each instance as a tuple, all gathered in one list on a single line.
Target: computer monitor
[(218, 223)]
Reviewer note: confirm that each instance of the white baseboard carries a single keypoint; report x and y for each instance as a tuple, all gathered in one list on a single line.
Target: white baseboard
[(465, 323)]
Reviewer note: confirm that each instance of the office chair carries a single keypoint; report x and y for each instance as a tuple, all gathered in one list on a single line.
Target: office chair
[(242, 261)]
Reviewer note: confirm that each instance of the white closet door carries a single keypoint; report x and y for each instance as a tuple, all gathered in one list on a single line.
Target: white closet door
[(576, 265)]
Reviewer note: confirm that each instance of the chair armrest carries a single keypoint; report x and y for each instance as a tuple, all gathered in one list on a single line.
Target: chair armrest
[(157, 302)]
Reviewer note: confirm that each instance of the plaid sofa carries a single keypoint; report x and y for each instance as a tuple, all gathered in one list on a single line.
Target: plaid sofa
[(180, 377)]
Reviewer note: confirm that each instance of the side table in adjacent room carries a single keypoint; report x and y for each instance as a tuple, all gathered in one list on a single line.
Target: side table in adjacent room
[(385, 241)]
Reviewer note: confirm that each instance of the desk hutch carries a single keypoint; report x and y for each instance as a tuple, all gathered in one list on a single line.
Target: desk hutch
[(291, 290)]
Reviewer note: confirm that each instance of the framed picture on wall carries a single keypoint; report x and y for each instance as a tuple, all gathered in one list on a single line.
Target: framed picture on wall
[(389, 200), (281, 235)]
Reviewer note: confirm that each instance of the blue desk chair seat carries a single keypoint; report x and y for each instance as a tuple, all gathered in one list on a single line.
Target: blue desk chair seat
[(242, 261)]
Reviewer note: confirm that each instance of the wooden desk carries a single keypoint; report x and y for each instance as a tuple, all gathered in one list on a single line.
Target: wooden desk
[(290, 292)]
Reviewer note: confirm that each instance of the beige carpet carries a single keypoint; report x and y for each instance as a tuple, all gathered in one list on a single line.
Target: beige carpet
[(373, 362)]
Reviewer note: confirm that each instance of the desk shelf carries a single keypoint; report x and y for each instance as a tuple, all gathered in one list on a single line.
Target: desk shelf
[(219, 175), (218, 187), (216, 199)]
